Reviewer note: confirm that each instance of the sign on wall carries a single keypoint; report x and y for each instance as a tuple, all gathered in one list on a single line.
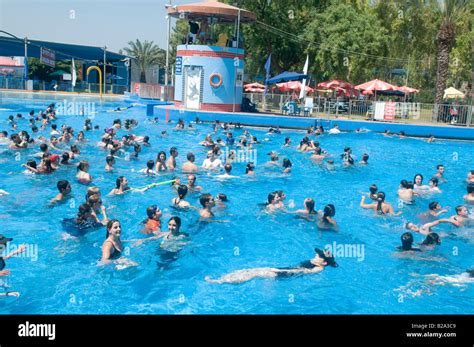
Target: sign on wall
[(179, 65), (48, 57)]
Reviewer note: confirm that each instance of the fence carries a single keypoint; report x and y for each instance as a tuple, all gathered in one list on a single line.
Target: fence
[(403, 112), (153, 91), (81, 87)]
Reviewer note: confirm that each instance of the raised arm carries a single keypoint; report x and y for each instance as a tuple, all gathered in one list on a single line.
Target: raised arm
[(364, 205)]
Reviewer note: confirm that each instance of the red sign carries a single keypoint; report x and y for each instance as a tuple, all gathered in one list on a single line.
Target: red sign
[(48, 57), (390, 110)]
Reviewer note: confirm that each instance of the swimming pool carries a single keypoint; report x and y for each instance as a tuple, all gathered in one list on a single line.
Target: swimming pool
[(65, 278)]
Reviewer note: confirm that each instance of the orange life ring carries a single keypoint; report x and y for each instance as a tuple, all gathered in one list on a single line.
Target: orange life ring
[(214, 84)]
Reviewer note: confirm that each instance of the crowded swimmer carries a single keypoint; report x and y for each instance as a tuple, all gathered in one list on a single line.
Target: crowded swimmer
[(318, 263)]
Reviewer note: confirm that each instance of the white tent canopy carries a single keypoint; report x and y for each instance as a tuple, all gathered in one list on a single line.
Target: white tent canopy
[(453, 93)]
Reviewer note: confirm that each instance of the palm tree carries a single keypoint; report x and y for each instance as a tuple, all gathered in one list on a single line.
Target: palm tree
[(450, 11), (146, 54)]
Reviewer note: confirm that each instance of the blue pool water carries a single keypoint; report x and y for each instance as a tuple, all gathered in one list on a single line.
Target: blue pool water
[(65, 277)]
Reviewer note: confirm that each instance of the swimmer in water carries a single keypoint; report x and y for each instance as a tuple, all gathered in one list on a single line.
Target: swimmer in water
[(189, 166), (153, 222), (287, 142), (317, 156), (434, 210), (461, 218), (430, 139), (434, 185), (112, 247), (123, 188), (365, 160), (3, 243), (470, 176), (427, 228), (212, 162), (440, 173), (380, 207), (171, 162), (347, 160), (469, 197), (273, 159), (179, 202), (192, 187), (407, 243), (250, 169), (326, 220), (161, 162), (419, 187), (83, 175), (330, 165), (227, 171), (308, 207), (150, 164), (64, 188), (109, 163), (207, 203), (287, 165), (274, 202), (405, 192), (317, 264)]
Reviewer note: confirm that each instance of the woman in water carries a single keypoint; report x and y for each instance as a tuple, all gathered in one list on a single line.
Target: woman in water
[(419, 187), (407, 243), (161, 162), (83, 175), (317, 156), (112, 247), (308, 208), (179, 202), (381, 207), (317, 264), (274, 202), (325, 218)]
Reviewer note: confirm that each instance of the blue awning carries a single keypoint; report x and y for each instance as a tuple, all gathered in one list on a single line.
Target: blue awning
[(287, 77), (11, 47)]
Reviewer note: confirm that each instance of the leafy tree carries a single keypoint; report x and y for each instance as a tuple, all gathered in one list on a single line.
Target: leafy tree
[(146, 54)]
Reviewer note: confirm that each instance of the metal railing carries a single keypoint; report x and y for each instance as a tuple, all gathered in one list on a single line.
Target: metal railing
[(81, 87), (404, 112)]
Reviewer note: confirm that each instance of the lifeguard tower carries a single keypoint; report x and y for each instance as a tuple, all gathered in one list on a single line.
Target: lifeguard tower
[(210, 64)]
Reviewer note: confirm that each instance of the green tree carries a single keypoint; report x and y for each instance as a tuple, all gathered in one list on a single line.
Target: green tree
[(146, 54), (451, 12)]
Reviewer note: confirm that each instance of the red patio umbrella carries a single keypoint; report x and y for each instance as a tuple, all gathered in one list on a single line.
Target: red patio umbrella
[(408, 90), (293, 86), (376, 85)]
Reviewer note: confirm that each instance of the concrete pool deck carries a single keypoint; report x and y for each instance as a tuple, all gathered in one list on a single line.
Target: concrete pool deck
[(267, 120)]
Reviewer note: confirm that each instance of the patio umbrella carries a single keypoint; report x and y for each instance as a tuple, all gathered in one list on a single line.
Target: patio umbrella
[(408, 90), (334, 84), (255, 85), (294, 86), (376, 85), (453, 93)]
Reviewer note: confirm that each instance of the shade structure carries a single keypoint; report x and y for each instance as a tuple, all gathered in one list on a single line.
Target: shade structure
[(254, 85), (287, 77), (408, 90), (293, 86), (221, 13), (335, 84), (6, 61), (453, 93), (376, 85)]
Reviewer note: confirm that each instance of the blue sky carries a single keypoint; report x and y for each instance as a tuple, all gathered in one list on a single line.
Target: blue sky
[(93, 22)]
